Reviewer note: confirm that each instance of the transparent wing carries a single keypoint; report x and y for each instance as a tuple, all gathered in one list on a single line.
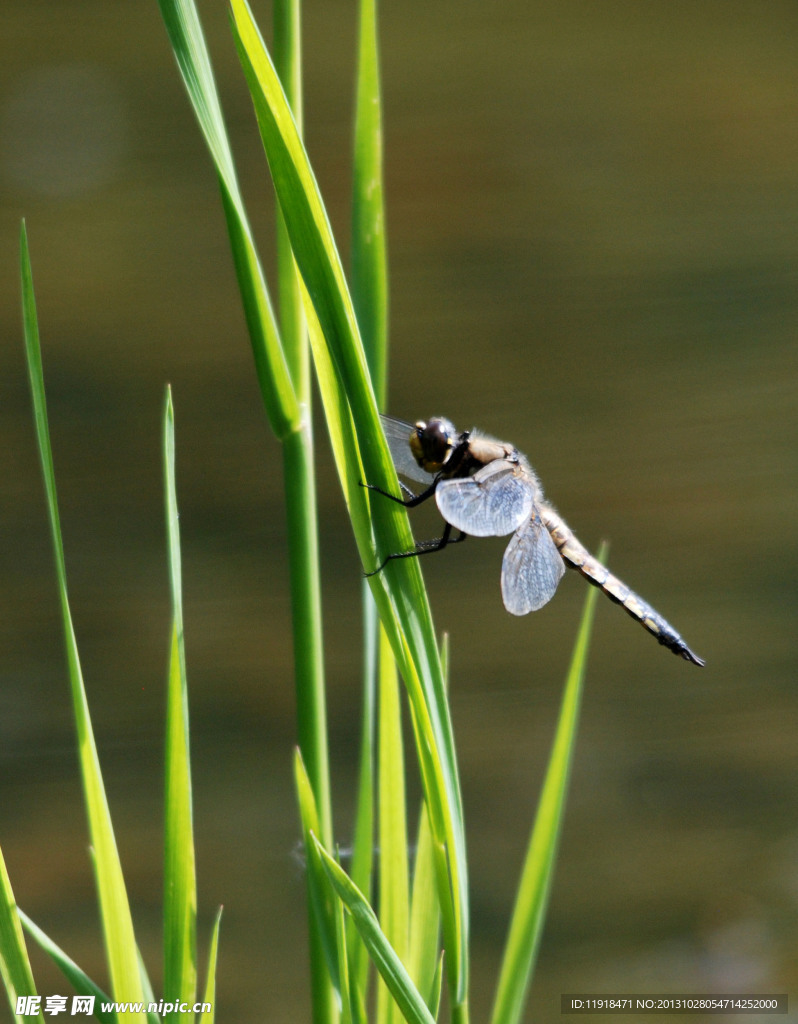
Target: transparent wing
[(397, 434), (531, 569), (491, 503)]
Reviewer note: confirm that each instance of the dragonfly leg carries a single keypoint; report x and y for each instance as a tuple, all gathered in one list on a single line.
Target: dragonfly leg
[(412, 501), (424, 547)]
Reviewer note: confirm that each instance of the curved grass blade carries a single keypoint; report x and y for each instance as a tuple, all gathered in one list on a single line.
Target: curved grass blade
[(533, 893), (75, 975), (117, 923), (321, 908), (180, 880), (15, 967), (391, 968), (361, 454), (277, 389)]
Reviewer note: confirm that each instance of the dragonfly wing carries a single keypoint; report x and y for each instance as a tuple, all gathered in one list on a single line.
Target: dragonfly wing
[(531, 569), (491, 503), (397, 434)]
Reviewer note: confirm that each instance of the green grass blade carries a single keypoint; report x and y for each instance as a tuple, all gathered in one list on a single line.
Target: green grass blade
[(75, 975), (391, 968), (300, 491), (300, 496), (370, 297), (146, 987), (210, 982), (298, 472), (369, 249), (363, 847), (185, 34), (424, 962), (434, 1000), (117, 923), (321, 907), (343, 960), (533, 894), (282, 366), (288, 62), (209, 995), (394, 896), (424, 916), (15, 968), (361, 454), (180, 882)]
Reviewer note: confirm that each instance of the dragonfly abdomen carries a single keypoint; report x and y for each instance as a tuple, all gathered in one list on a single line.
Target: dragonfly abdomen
[(576, 556)]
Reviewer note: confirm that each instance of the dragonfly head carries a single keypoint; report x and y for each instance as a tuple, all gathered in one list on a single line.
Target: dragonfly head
[(432, 442)]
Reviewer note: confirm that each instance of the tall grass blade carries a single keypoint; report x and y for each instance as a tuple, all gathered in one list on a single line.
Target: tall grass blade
[(532, 900), (361, 454), (303, 550), (117, 923), (394, 895), (424, 962), (300, 490), (288, 62), (424, 916), (370, 298), (15, 967), (363, 846), (300, 497), (369, 249), (279, 398), (282, 365), (391, 968), (180, 880)]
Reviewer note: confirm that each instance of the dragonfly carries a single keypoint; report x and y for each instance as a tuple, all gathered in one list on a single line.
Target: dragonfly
[(486, 488)]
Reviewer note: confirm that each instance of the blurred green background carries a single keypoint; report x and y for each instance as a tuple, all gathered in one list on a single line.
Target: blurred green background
[(593, 224)]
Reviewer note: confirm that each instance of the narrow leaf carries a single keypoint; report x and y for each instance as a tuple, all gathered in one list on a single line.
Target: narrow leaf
[(210, 982), (188, 43), (14, 963), (362, 854), (343, 959), (117, 923), (75, 975), (394, 896), (321, 906), (369, 251), (533, 894), (391, 968), (425, 915), (180, 883)]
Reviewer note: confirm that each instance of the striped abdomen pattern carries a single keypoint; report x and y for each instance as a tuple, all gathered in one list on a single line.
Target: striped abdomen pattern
[(576, 556)]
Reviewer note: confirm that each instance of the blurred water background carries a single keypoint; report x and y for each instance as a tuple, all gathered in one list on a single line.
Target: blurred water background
[(593, 230)]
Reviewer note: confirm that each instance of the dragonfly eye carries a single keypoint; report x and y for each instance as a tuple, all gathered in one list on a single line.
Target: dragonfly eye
[(431, 443)]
